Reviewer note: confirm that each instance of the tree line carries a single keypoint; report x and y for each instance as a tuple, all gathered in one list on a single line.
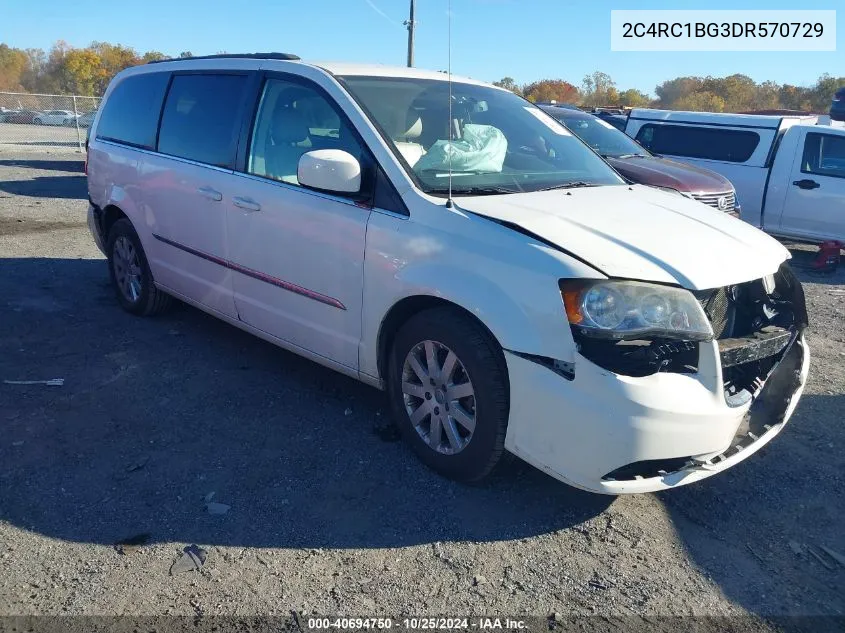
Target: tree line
[(736, 93), (87, 71), (68, 70)]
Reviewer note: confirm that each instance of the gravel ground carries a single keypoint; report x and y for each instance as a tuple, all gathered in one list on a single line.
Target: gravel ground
[(24, 138), (328, 513)]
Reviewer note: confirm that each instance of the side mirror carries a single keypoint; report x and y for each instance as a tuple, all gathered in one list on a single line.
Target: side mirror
[(330, 170)]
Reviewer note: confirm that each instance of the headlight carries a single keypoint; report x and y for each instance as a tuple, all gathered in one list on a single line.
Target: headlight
[(633, 309)]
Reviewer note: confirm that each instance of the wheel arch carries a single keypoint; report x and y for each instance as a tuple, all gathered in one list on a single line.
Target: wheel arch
[(402, 311), (111, 214)]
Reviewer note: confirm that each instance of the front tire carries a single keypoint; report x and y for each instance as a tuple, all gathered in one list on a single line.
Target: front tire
[(448, 391), (130, 273)]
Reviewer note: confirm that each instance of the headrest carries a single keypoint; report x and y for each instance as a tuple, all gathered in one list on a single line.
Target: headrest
[(288, 125)]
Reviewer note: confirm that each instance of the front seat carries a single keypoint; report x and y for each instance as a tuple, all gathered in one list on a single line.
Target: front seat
[(407, 140), (287, 141)]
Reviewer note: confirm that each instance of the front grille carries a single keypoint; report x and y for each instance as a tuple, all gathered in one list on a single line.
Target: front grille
[(712, 200), (719, 309)]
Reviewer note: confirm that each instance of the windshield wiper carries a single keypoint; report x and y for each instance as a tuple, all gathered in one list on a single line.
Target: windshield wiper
[(473, 191), (571, 185), (632, 156)]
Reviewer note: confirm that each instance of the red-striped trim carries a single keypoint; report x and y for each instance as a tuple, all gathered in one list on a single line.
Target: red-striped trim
[(249, 272), (188, 249)]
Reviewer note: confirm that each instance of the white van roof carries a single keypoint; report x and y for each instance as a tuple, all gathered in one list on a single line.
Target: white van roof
[(266, 60), (765, 121), (381, 70)]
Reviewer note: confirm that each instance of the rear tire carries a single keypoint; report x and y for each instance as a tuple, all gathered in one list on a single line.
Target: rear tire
[(130, 272), (449, 393)]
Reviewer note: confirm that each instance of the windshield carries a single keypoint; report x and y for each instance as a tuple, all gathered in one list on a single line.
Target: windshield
[(602, 136), (499, 143)]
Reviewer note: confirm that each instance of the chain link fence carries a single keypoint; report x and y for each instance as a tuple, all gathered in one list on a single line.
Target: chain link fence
[(36, 121)]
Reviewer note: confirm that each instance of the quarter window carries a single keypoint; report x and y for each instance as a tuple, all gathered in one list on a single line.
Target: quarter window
[(733, 146), (131, 112), (201, 118), (824, 155), (293, 119)]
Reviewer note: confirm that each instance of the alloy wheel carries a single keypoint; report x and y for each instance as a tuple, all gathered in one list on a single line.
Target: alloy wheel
[(439, 397), (127, 268)]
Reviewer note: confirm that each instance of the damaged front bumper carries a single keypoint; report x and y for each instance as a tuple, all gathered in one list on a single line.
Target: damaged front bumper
[(615, 434)]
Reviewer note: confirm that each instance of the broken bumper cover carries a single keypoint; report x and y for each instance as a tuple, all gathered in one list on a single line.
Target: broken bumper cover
[(595, 432)]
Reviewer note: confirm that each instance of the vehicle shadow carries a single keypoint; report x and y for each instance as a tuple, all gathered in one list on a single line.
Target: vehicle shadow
[(69, 165), (70, 187), (761, 518), (157, 416)]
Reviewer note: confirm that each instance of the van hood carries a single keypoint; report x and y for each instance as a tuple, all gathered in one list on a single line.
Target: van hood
[(638, 232)]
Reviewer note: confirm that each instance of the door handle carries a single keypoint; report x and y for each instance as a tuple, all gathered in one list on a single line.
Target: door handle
[(246, 204), (806, 184), (211, 194)]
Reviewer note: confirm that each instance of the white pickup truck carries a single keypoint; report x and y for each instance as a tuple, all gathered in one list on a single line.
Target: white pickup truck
[(788, 171)]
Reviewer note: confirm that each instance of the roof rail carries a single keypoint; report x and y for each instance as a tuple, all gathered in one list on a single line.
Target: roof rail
[(283, 56)]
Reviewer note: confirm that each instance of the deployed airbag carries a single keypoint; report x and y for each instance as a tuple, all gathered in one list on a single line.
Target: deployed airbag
[(482, 149)]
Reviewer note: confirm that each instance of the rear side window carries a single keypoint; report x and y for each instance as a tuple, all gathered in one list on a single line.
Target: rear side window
[(202, 118), (733, 146), (824, 155), (130, 115)]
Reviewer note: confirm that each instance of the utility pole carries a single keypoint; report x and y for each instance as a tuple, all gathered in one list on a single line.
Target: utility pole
[(411, 24)]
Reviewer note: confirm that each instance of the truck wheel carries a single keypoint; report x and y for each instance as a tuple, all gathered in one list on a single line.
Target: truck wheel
[(130, 272), (448, 391)]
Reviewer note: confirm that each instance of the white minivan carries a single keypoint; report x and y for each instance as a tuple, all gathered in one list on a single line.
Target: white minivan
[(450, 243)]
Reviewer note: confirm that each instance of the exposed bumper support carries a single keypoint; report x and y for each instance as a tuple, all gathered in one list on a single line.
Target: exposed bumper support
[(766, 343)]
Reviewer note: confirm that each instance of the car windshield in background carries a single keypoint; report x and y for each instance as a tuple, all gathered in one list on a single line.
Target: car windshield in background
[(602, 136), (499, 143)]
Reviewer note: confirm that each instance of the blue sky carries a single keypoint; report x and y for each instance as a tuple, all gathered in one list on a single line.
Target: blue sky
[(524, 39)]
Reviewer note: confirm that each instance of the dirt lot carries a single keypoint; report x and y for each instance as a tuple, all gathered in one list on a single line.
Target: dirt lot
[(329, 514)]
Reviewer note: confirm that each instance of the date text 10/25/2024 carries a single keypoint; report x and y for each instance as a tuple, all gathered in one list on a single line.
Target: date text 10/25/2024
[(417, 624)]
